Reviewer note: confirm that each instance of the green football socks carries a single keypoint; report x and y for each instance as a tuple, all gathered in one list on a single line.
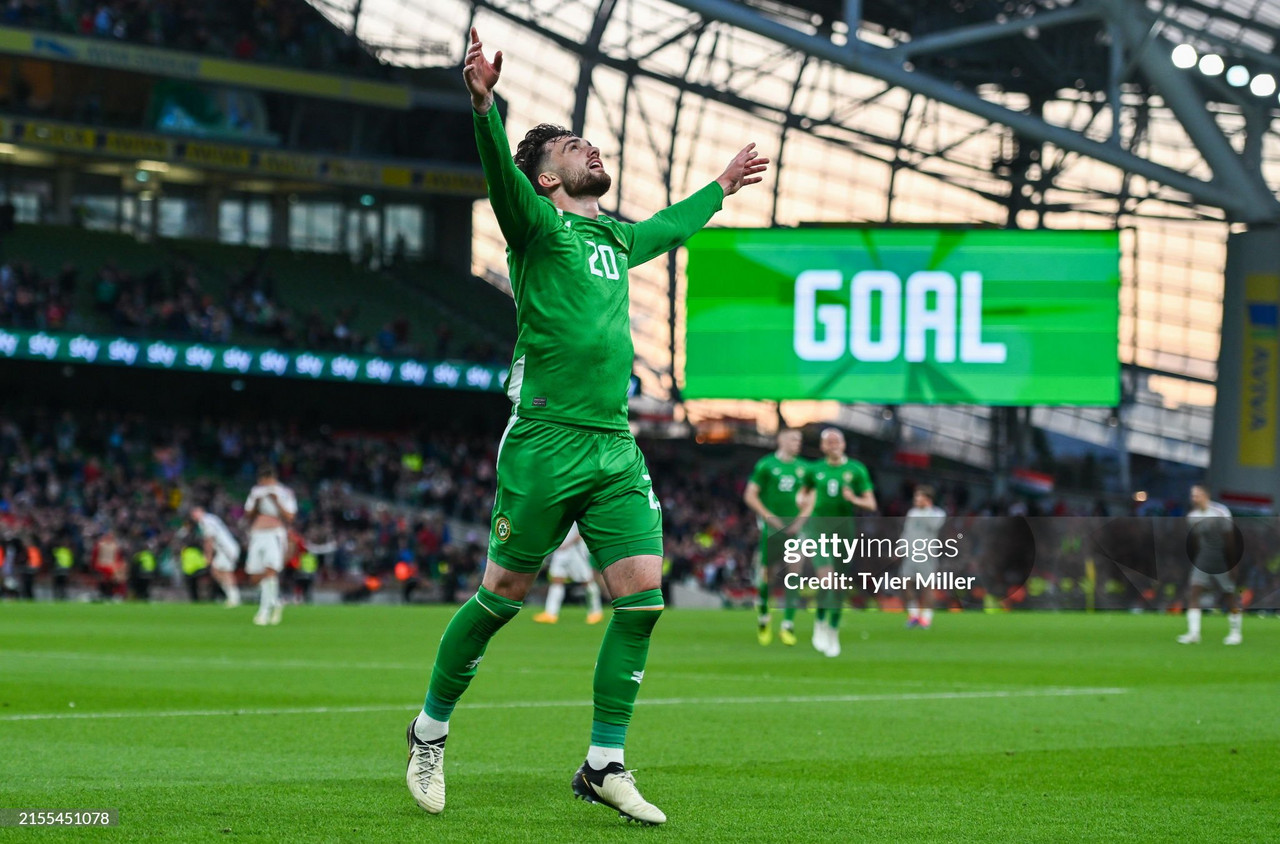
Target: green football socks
[(832, 601), (789, 605), (462, 647), (620, 665)]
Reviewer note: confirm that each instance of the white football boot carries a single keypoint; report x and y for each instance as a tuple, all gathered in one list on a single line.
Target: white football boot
[(615, 787), (425, 772)]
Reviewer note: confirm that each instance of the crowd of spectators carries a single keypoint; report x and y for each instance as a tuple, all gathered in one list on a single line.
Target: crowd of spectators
[(173, 303), (279, 31), (75, 482), (71, 480), (29, 299), (414, 506)]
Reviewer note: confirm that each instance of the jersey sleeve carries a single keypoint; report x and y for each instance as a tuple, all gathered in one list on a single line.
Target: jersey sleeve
[(861, 480), (251, 500), (938, 519), (808, 480), (521, 213), (290, 502), (759, 474), (672, 226)]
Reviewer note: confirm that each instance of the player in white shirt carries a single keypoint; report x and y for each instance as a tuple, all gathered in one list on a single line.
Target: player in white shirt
[(922, 524), (221, 551), (270, 509), (571, 562), (1210, 524)]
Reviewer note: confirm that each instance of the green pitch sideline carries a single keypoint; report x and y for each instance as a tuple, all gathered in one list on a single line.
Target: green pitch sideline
[(567, 453)]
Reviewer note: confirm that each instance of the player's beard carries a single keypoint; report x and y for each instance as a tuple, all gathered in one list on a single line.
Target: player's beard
[(587, 182)]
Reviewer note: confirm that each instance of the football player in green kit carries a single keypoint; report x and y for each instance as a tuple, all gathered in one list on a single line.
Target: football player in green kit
[(567, 454), (772, 494), (834, 489)]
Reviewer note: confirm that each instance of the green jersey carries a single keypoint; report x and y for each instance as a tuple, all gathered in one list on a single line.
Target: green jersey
[(573, 355), (779, 481), (829, 482)]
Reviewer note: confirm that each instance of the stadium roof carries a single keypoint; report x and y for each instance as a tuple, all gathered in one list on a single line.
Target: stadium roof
[(1026, 112), (1109, 56), (1248, 24)]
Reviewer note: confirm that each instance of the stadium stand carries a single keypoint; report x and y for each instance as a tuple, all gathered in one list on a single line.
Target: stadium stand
[(59, 279), (277, 31), (71, 479), (422, 498)]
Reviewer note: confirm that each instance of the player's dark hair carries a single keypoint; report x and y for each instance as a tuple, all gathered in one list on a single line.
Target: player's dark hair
[(926, 491), (266, 470), (532, 150)]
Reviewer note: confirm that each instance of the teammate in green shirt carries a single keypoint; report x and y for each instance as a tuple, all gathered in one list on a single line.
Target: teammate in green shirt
[(772, 495), (567, 454), (834, 489)]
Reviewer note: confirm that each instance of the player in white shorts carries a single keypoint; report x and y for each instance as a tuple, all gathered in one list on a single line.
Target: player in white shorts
[(221, 551), (921, 526), (1214, 535), (270, 509), (571, 562)]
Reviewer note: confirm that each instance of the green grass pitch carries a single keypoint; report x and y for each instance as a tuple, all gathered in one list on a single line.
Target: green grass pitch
[(198, 726)]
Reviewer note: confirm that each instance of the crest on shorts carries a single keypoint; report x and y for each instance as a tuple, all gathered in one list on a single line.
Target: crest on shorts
[(502, 529)]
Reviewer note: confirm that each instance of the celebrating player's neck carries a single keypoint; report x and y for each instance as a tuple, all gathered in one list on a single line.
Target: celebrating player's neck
[(583, 206)]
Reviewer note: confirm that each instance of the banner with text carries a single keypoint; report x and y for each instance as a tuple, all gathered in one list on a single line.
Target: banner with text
[(65, 347), (175, 64), (419, 177), (904, 316)]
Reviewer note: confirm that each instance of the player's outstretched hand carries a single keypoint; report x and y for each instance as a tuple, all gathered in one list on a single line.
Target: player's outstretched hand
[(745, 169), (480, 74)]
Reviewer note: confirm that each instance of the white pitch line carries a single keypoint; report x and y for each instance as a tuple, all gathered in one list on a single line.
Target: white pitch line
[(557, 704), (218, 662), (234, 663)]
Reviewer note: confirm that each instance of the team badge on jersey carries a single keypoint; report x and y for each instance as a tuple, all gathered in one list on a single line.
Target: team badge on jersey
[(503, 529)]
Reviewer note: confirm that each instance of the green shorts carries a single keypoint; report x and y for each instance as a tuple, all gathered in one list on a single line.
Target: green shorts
[(773, 544), (551, 475)]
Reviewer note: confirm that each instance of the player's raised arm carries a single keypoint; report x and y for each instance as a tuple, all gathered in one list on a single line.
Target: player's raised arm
[(480, 74), (521, 214), (672, 226), (745, 169)]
